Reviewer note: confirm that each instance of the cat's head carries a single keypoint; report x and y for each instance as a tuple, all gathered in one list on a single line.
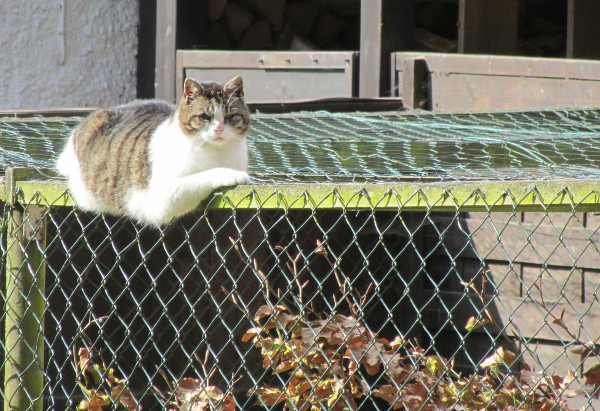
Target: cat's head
[(214, 113)]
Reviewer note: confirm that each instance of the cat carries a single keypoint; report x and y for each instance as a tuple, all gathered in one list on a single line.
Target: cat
[(152, 161)]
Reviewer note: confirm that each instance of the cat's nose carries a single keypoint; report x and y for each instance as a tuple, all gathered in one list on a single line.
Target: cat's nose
[(218, 127)]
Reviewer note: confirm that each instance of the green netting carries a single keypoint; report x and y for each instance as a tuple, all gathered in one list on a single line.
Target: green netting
[(462, 270), (331, 147)]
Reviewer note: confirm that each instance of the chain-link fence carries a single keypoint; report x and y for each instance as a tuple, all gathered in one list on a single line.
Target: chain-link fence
[(378, 261)]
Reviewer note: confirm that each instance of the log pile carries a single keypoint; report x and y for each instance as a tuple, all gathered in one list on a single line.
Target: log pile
[(542, 27), (283, 24)]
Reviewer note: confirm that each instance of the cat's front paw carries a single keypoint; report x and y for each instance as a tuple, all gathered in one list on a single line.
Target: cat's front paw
[(225, 177)]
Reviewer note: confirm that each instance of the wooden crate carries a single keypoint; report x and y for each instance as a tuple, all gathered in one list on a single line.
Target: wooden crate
[(475, 82), (273, 76)]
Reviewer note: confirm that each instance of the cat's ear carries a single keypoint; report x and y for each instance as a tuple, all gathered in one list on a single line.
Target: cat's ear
[(235, 86), (192, 89)]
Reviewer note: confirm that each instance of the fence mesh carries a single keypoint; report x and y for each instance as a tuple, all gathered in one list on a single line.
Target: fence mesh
[(253, 305)]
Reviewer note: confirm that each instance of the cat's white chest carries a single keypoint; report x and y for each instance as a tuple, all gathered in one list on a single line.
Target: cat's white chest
[(173, 154), (182, 173)]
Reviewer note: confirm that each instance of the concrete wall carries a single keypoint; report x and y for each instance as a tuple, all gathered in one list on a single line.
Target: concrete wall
[(67, 53)]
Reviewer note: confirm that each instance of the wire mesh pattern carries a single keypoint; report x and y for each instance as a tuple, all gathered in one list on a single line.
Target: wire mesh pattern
[(371, 307), (322, 146), (147, 302)]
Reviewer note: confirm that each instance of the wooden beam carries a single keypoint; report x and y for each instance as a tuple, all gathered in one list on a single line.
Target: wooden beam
[(166, 26), (370, 48), (488, 26), (478, 82), (415, 84), (386, 26), (583, 30), (24, 302)]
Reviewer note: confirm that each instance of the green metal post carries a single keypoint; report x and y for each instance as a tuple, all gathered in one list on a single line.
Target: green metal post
[(24, 309)]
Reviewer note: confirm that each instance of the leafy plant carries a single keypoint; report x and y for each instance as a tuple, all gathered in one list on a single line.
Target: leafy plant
[(193, 394), (100, 385), (334, 362), (326, 364)]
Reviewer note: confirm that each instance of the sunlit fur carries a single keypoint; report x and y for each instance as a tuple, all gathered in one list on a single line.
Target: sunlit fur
[(199, 147)]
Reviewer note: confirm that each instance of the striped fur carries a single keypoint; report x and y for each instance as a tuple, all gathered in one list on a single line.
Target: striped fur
[(153, 161), (112, 148)]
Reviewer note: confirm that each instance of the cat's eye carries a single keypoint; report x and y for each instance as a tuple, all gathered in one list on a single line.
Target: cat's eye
[(204, 117), (199, 120), (233, 117)]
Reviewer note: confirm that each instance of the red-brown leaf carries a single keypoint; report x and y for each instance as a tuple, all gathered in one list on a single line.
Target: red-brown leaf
[(592, 377), (389, 394), (251, 333), (269, 396)]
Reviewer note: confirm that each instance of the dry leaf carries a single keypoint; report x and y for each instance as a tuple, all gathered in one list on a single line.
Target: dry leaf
[(587, 350), (501, 357), (396, 342), (592, 377), (269, 396), (251, 333), (473, 323)]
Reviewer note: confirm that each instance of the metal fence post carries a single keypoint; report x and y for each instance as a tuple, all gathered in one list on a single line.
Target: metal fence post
[(24, 308)]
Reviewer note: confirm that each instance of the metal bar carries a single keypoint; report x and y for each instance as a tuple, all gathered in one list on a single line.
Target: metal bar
[(24, 308), (560, 195)]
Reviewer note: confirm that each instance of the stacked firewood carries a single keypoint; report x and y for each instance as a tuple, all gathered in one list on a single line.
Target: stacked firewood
[(283, 24), (542, 27)]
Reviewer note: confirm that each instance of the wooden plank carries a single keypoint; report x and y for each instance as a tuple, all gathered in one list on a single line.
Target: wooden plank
[(24, 307), (583, 30), (542, 244), (166, 24), (591, 285), (338, 105), (506, 278), (488, 26), (496, 82), (416, 84), (370, 48), (282, 85), (525, 314), (265, 59), (557, 283), (475, 92), (387, 26), (450, 64), (274, 76), (575, 220)]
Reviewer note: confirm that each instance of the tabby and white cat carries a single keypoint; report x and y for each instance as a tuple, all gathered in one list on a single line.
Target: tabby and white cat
[(152, 161)]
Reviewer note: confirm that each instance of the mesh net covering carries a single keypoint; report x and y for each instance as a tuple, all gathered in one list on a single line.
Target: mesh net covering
[(334, 147), (166, 308)]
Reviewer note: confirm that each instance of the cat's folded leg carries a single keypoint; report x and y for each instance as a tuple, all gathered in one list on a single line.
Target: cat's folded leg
[(160, 203)]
